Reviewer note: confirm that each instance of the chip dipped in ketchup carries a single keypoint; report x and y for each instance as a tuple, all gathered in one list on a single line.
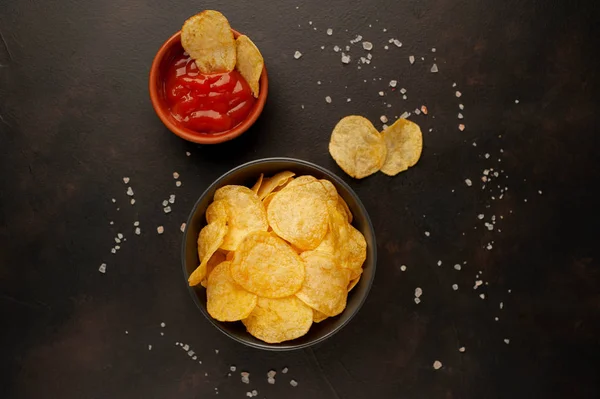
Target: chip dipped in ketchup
[(206, 103)]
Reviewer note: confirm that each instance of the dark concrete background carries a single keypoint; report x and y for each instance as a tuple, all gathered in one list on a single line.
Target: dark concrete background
[(76, 118)]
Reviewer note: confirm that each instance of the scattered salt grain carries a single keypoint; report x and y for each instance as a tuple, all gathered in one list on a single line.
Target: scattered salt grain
[(411, 59), (482, 296), (187, 153), (381, 94), (368, 46), (427, 233), (284, 370), (461, 127), (455, 287), (458, 93), (182, 227), (461, 349), (102, 268), (328, 100), (418, 292), (506, 341), (293, 383), (437, 365), (178, 183), (138, 231), (393, 83), (397, 42), (132, 201), (345, 59), (468, 182), (385, 47), (403, 268), (460, 116), (457, 267), (149, 347), (336, 48), (383, 119), (271, 373), (329, 32), (172, 198), (297, 54), (126, 180), (167, 209), (112, 250), (271, 380), (439, 263), (434, 68), (540, 192), (516, 101), (403, 90), (424, 110), (433, 50), (129, 191), (160, 229)]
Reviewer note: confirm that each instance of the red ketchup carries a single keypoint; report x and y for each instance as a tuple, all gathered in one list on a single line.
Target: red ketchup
[(206, 103)]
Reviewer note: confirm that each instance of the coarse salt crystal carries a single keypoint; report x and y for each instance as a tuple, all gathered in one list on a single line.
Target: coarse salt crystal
[(393, 83), (468, 182), (167, 209), (433, 50), (132, 201), (461, 349), (126, 180), (172, 198), (297, 54), (368, 46), (427, 233), (482, 296), (434, 68), (417, 301), (271, 373), (328, 100), (149, 347), (178, 183), (457, 267), (403, 268), (397, 42), (460, 116), (102, 268), (293, 383), (461, 106), (329, 32), (345, 58), (411, 59), (381, 94), (458, 93), (383, 119), (437, 365), (182, 227), (271, 380), (455, 287), (137, 231), (403, 90), (418, 292), (461, 127), (439, 263), (160, 229), (336, 48), (112, 250), (187, 153), (424, 109), (129, 191), (506, 341)]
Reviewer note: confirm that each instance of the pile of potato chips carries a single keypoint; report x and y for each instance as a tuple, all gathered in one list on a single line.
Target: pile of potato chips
[(360, 150), (208, 39), (278, 256)]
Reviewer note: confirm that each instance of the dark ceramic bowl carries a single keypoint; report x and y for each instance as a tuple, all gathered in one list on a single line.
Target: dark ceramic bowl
[(247, 175)]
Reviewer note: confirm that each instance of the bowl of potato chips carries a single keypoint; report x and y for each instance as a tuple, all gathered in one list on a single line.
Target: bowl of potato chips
[(279, 254)]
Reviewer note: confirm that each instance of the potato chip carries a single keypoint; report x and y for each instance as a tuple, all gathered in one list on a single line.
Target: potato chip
[(404, 142), (225, 299), (345, 243), (332, 194), (271, 183), (266, 265), (343, 205), (245, 214), (318, 316), (278, 320), (209, 240), (267, 200), (216, 211), (216, 259), (299, 214), (256, 185), (208, 39), (325, 285), (353, 282), (250, 62), (357, 147), (300, 181)]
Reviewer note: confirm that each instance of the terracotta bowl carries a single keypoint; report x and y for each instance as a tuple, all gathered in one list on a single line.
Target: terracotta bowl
[(246, 175), (163, 59)]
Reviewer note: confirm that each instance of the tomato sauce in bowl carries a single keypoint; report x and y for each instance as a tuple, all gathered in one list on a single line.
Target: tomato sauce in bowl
[(206, 103)]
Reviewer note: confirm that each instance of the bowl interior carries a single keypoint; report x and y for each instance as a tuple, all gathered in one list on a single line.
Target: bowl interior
[(247, 175), (171, 49)]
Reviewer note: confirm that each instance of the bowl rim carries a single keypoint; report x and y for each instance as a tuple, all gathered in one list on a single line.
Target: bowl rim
[(189, 134), (267, 346)]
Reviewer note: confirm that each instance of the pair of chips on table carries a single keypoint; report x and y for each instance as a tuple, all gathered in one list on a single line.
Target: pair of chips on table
[(360, 150), (278, 256), (209, 40)]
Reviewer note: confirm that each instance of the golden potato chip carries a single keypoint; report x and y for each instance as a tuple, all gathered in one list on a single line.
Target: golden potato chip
[(404, 142), (256, 185), (357, 147), (345, 243), (250, 62), (245, 214), (325, 285), (271, 183), (209, 240), (266, 265), (216, 211), (299, 214), (300, 181), (267, 200), (216, 259), (353, 283), (208, 39), (318, 316), (225, 299), (278, 320), (332, 194), (343, 205)]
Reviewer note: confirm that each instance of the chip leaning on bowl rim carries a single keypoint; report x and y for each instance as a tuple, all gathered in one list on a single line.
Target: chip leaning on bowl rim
[(247, 175)]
